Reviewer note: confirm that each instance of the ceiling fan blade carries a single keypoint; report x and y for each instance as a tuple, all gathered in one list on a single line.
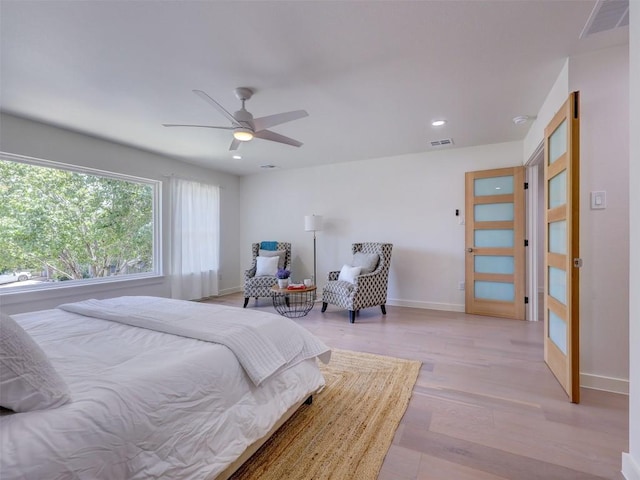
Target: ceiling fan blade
[(235, 143), (276, 137), (269, 121), (219, 107), (197, 126)]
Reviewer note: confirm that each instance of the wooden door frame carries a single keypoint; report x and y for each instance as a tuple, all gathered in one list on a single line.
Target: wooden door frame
[(532, 230)]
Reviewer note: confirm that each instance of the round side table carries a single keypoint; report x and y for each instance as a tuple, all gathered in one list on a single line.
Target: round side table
[(293, 303)]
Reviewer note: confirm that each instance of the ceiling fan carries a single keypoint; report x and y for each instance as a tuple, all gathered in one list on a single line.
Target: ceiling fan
[(244, 126)]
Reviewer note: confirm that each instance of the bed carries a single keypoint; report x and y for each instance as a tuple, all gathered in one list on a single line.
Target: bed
[(154, 393)]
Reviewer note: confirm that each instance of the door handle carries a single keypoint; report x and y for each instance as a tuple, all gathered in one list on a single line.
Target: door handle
[(469, 249)]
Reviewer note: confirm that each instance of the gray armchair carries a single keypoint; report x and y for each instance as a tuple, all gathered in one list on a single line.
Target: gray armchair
[(260, 286), (368, 289)]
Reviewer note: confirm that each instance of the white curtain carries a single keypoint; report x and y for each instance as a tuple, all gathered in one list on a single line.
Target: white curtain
[(195, 239)]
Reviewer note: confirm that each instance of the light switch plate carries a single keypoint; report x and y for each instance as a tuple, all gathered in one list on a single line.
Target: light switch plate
[(598, 200)]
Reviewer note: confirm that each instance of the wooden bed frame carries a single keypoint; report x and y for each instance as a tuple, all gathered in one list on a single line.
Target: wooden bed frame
[(253, 448)]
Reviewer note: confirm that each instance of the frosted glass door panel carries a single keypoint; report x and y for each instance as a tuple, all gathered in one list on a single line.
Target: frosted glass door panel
[(494, 291), (494, 242), (558, 331), (558, 284), (493, 186), (493, 264), (558, 190), (558, 237), (493, 212), (561, 216), (493, 238), (558, 142)]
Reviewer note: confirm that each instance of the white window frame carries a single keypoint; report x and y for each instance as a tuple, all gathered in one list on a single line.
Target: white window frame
[(156, 186)]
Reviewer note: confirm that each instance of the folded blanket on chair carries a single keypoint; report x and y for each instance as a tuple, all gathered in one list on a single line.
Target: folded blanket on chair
[(268, 245)]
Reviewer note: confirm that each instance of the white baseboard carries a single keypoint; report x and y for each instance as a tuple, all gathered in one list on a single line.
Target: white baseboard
[(630, 468), (608, 384), (228, 291), (448, 307)]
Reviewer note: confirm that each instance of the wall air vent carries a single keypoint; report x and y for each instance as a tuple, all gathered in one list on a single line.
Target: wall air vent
[(607, 15), (441, 143)]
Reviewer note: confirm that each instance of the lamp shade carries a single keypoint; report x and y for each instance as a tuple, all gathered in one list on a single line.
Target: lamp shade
[(313, 223)]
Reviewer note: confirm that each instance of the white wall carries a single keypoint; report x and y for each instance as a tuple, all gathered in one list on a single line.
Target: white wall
[(602, 78), (24, 137), (408, 200), (631, 461), (556, 97)]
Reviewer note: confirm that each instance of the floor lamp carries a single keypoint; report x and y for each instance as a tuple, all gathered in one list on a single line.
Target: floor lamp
[(313, 223)]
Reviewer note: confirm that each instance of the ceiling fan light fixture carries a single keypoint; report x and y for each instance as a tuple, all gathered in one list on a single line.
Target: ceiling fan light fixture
[(243, 126), (242, 134)]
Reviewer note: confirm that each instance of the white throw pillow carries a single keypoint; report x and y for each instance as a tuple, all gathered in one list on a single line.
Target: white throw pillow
[(266, 266), (281, 254), (349, 273), (368, 261), (28, 381)]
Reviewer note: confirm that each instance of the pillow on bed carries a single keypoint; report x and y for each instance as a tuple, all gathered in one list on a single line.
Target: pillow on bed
[(266, 266), (281, 254), (349, 273), (28, 381)]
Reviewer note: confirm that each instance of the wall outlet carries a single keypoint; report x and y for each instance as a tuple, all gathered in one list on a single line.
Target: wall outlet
[(460, 285)]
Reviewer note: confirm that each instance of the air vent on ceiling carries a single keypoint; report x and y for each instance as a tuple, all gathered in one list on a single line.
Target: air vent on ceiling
[(440, 143), (607, 15)]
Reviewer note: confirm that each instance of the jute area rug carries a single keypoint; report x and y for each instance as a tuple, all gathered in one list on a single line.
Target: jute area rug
[(346, 432)]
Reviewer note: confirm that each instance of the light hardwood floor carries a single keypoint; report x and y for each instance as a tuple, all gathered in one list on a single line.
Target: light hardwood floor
[(485, 406)]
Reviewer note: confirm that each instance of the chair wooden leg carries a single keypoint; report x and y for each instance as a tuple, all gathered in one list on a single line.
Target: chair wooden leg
[(324, 306), (384, 309), (246, 301), (352, 316)]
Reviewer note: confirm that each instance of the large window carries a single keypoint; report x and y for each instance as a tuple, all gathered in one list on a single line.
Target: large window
[(60, 223)]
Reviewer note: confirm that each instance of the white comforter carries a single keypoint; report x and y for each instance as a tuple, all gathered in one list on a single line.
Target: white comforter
[(145, 404), (263, 343)]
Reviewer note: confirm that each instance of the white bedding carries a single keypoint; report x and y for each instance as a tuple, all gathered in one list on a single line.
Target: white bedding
[(145, 404), (262, 342)]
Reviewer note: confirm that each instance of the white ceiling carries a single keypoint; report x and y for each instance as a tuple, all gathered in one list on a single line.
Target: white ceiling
[(371, 74)]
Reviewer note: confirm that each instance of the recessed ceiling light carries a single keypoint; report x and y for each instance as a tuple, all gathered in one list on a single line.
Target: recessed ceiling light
[(438, 123), (520, 119), (237, 157)]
